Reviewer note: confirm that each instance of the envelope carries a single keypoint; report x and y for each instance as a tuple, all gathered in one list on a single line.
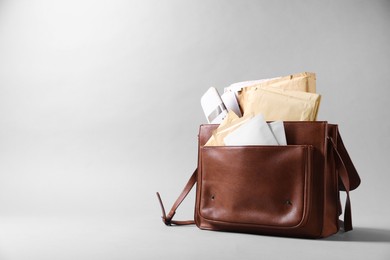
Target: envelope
[(237, 87), (305, 82), (228, 125), (254, 132), (231, 102), (277, 128), (278, 104)]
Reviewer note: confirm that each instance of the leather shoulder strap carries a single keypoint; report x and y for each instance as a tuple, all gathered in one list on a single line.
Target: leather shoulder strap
[(167, 219), (353, 176), (345, 184)]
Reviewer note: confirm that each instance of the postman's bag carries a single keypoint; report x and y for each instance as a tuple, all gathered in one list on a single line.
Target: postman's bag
[(288, 190)]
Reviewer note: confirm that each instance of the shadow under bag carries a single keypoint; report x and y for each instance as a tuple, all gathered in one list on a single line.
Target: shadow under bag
[(288, 190)]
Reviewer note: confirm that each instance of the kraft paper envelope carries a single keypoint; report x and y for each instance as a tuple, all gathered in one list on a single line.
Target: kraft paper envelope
[(237, 87), (277, 104), (254, 132), (305, 82), (228, 125), (277, 129), (230, 117)]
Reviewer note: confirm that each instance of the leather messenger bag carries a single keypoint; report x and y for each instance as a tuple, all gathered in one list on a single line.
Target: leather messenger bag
[(288, 190)]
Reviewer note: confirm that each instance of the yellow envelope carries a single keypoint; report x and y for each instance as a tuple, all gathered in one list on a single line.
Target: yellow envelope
[(228, 125), (305, 82), (280, 104)]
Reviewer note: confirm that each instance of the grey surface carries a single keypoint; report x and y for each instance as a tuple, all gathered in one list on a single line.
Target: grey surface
[(99, 108)]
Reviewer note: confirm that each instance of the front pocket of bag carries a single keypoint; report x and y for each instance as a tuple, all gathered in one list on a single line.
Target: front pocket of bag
[(257, 185)]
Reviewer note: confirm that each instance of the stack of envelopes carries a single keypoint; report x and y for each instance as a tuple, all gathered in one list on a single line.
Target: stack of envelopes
[(289, 98)]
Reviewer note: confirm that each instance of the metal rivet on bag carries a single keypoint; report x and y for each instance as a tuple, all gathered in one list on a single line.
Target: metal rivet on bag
[(288, 202)]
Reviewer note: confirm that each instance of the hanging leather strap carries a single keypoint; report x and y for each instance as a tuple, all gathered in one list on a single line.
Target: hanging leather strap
[(344, 178), (167, 219), (352, 174)]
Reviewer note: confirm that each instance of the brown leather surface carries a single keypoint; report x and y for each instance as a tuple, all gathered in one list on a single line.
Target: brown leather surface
[(290, 190), (281, 190), (238, 184)]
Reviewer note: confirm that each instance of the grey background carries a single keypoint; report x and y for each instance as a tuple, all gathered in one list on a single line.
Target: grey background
[(99, 108)]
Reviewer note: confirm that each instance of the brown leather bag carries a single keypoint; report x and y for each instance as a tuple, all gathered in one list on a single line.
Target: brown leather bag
[(291, 190)]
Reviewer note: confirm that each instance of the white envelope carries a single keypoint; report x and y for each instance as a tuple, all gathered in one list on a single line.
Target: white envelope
[(231, 103), (277, 128), (254, 132)]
